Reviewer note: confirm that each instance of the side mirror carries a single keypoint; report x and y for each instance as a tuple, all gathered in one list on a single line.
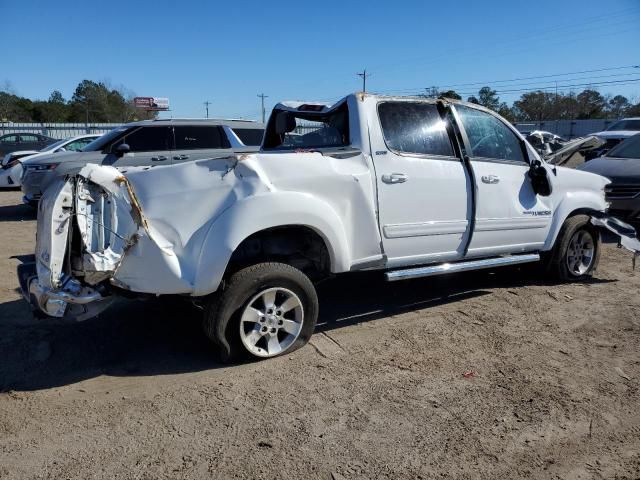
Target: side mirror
[(61, 149), (539, 178), (122, 149)]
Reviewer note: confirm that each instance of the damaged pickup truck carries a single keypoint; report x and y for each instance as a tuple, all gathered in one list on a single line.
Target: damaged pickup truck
[(411, 187)]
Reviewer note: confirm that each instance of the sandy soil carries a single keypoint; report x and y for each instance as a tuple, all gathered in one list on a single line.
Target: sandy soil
[(486, 375)]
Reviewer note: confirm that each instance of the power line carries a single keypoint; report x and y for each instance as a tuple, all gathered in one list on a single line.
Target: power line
[(262, 96)]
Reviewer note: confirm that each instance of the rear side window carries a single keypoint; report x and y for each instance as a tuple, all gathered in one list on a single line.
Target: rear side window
[(413, 127), (249, 136), (489, 137), (199, 137), (147, 139)]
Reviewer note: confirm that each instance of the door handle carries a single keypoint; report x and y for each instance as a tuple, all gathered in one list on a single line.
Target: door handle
[(490, 179), (394, 178), (159, 158), (181, 157)]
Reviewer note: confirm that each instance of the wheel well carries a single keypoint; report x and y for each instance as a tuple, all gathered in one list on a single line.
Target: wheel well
[(296, 245)]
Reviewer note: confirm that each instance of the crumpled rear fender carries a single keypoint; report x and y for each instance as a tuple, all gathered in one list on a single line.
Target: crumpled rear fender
[(256, 213)]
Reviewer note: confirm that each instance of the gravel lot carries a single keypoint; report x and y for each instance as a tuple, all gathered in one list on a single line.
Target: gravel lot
[(487, 375)]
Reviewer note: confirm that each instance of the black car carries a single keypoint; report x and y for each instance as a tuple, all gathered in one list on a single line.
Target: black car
[(12, 142), (621, 165)]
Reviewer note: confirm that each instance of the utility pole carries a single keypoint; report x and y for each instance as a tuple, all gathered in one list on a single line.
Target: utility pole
[(206, 106), (432, 91), (262, 96), (364, 76)]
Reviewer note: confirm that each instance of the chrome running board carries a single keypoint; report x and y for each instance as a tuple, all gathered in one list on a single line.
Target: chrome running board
[(442, 268)]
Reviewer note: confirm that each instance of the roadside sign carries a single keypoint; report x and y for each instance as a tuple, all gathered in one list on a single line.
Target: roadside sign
[(151, 103)]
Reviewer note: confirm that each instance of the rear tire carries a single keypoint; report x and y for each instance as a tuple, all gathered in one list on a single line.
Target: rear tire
[(265, 310), (576, 252)]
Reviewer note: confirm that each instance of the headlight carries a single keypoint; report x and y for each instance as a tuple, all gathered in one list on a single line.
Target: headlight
[(41, 167)]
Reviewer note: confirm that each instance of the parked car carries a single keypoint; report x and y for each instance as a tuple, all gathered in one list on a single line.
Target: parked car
[(23, 141), (617, 132), (409, 187), (12, 171), (621, 165), (146, 143)]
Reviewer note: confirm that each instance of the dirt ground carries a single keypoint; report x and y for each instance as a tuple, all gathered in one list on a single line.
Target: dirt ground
[(484, 375)]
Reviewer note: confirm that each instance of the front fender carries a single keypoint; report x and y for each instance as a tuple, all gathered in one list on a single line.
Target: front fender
[(570, 203), (256, 213)]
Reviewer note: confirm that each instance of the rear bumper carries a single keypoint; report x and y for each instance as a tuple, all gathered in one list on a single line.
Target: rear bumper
[(72, 300)]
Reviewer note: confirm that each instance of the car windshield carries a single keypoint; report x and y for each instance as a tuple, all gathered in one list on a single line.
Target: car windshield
[(101, 142), (626, 125), (630, 148), (53, 146)]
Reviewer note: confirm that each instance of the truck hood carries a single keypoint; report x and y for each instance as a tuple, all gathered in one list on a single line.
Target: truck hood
[(561, 156), (618, 170)]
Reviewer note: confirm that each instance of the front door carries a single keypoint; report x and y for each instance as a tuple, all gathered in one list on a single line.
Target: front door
[(424, 205), (510, 216), (149, 145)]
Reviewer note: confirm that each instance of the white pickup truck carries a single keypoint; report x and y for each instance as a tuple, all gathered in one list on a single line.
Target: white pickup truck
[(411, 187)]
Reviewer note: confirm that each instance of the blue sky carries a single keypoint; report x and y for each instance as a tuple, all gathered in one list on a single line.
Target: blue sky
[(228, 52)]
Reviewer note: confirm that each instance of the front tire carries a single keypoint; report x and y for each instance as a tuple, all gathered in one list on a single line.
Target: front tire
[(264, 311), (576, 252)]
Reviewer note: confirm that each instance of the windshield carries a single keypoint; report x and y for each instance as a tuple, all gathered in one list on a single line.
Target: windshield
[(629, 148), (53, 146), (291, 130), (626, 125), (101, 142)]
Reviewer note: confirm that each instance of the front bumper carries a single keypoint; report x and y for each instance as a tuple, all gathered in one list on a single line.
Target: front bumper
[(72, 300)]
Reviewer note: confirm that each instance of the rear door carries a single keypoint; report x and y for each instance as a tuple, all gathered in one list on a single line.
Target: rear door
[(423, 187), (196, 142), (149, 145), (510, 216)]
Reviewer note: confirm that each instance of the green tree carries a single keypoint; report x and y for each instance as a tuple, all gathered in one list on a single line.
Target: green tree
[(591, 104), (488, 98), (451, 94), (618, 105)]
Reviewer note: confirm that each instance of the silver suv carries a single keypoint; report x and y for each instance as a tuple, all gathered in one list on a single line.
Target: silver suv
[(146, 143)]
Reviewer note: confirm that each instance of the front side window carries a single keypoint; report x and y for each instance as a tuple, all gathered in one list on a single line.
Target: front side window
[(147, 139), (199, 137), (78, 145), (489, 137), (414, 127)]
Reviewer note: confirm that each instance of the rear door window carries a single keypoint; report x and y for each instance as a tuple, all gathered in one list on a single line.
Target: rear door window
[(414, 127), (249, 136), (200, 137)]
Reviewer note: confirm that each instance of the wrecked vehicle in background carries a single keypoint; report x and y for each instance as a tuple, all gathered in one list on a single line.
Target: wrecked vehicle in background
[(616, 133), (545, 142), (410, 187)]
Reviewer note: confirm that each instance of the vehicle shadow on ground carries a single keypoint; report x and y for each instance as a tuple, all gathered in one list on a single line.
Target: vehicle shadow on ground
[(162, 336), (13, 213)]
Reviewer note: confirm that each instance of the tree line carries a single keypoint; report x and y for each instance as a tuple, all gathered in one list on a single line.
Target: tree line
[(92, 102), (97, 102), (539, 105)]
